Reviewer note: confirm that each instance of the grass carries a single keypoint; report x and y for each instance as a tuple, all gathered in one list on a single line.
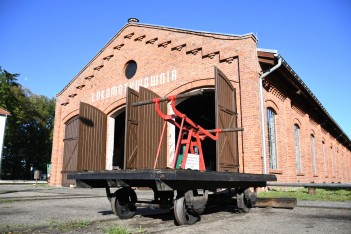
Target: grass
[(302, 194), (42, 185), (72, 225), (3, 201), (123, 230), (53, 225), (9, 229)]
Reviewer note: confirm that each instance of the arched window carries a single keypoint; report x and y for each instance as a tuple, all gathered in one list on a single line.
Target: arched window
[(324, 159), (297, 148), (332, 159), (272, 139), (314, 169)]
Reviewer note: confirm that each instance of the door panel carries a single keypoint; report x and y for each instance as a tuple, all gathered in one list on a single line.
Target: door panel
[(131, 131), (227, 145), (92, 138), (149, 132), (70, 150)]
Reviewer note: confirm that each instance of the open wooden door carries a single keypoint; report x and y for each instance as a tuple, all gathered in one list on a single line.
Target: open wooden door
[(131, 131), (92, 138), (227, 155), (70, 150), (149, 132), (143, 131)]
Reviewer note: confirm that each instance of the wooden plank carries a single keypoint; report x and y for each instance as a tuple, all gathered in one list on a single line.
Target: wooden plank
[(288, 203), (265, 54), (267, 61)]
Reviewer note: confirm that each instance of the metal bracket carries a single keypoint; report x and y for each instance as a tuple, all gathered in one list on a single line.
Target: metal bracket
[(162, 186), (240, 200), (108, 193)]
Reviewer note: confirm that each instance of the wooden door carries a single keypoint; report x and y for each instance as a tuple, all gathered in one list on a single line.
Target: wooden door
[(92, 138), (227, 155), (131, 131), (149, 132), (70, 150)]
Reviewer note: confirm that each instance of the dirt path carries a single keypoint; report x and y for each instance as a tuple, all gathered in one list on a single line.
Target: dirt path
[(57, 210)]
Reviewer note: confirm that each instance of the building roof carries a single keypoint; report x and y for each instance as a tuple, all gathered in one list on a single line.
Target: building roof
[(4, 112), (270, 58)]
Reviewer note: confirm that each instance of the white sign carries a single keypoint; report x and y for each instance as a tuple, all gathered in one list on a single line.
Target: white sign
[(192, 162), (121, 89)]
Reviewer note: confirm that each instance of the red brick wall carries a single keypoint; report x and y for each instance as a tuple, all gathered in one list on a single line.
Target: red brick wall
[(289, 114)]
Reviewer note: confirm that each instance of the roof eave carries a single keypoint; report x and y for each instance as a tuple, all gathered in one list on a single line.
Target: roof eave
[(268, 57), (4, 112)]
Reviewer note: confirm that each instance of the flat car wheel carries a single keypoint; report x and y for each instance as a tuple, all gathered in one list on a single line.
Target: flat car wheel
[(123, 203), (245, 200), (182, 215)]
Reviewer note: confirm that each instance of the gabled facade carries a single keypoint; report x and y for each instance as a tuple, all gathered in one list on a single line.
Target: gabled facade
[(96, 129)]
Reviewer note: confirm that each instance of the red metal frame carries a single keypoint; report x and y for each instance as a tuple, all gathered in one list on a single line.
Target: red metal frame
[(190, 134)]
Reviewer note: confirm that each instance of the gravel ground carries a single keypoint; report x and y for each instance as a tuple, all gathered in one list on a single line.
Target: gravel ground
[(37, 209)]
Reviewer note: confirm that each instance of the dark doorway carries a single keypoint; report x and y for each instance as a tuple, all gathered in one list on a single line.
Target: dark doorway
[(118, 150), (201, 109)]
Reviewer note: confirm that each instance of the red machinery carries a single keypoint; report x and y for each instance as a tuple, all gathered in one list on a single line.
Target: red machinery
[(190, 134)]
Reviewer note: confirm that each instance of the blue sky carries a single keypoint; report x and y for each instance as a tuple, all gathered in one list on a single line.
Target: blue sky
[(49, 42)]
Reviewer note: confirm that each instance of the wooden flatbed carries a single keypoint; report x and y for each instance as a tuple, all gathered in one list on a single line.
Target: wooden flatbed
[(174, 179), (188, 192)]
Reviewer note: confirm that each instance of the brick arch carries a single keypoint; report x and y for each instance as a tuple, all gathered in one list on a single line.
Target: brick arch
[(297, 122), (312, 132), (271, 104), (70, 119), (115, 106), (197, 84), (323, 139), (70, 115)]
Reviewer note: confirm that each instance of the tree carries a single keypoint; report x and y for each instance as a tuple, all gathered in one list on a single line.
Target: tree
[(28, 137)]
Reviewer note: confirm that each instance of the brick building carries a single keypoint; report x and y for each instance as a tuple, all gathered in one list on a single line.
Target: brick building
[(302, 142), (3, 116)]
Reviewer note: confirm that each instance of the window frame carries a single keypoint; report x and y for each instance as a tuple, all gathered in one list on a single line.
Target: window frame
[(313, 155), (130, 69), (324, 159), (272, 138), (297, 148)]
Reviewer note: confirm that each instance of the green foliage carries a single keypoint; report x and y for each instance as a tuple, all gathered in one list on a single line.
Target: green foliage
[(302, 194), (29, 129), (118, 230), (123, 230), (73, 225)]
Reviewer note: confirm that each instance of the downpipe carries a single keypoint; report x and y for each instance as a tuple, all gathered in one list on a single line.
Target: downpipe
[(263, 127)]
